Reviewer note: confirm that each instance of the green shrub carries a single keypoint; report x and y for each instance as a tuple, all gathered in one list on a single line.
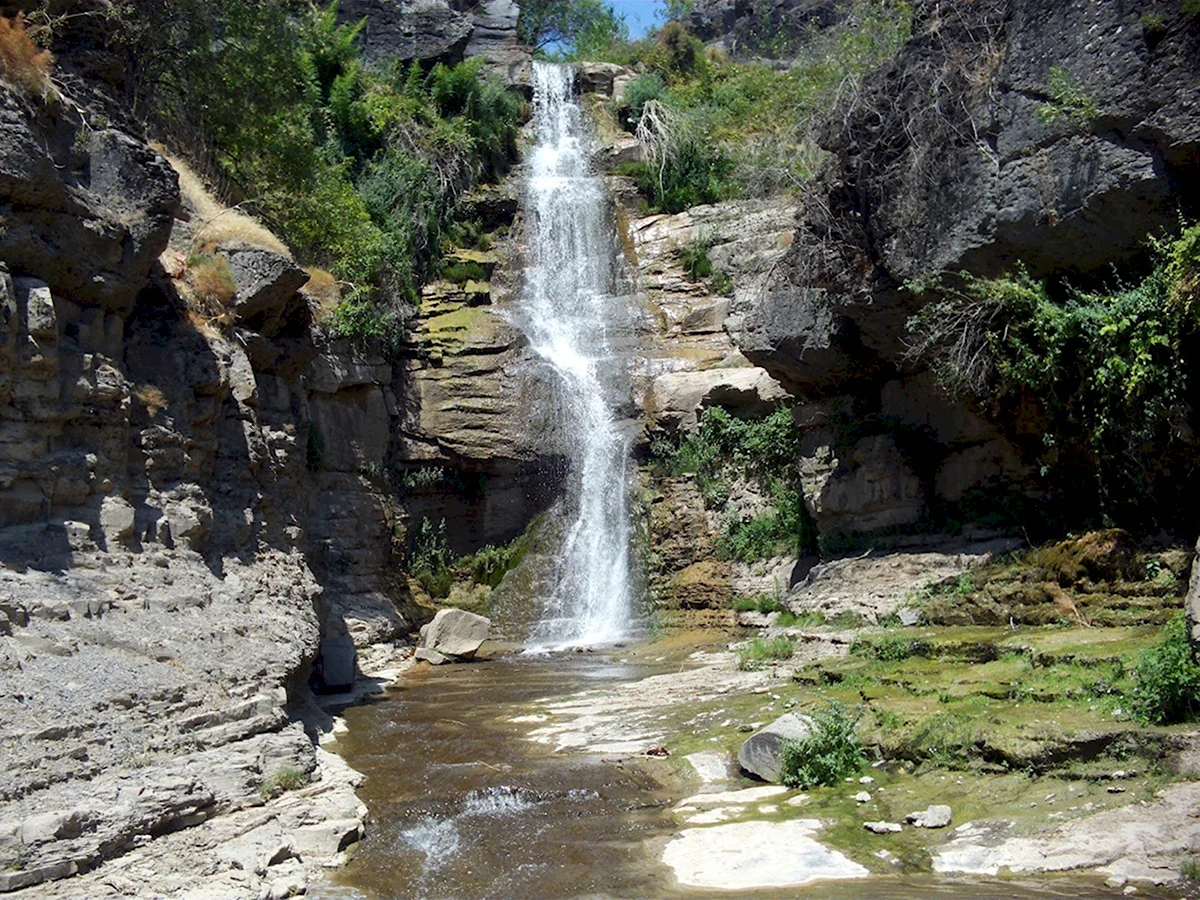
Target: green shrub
[(642, 89), (1167, 680), (358, 170), (830, 753), (1067, 99), (282, 781), (429, 558), (761, 652), (1107, 373), (889, 648)]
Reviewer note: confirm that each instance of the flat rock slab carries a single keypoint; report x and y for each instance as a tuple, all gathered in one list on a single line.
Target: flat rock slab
[(883, 827), (751, 855), (710, 767), (735, 798)]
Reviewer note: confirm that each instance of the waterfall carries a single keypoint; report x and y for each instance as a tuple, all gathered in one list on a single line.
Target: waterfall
[(571, 313)]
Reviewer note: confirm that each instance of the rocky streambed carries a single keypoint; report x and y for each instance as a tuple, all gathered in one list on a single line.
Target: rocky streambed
[(614, 773)]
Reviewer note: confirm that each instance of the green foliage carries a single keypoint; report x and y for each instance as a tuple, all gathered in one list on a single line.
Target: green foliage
[(763, 450), (641, 90), (358, 170), (761, 652), (763, 603), (1109, 373), (830, 753), (489, 565), (282, 781), (674, 10), (1067, 99), (429, 558), (1167, 680), (746, 130), (570, 29), (888, 648)]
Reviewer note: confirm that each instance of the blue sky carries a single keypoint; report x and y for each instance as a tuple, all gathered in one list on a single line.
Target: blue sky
[(639, 14)]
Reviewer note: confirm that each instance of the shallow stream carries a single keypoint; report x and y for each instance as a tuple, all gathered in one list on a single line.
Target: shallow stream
[(464, 806)]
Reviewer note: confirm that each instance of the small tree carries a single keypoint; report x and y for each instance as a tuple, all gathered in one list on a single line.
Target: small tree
[(575, 27)]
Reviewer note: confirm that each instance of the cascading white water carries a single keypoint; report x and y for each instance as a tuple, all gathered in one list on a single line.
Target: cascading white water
[(570, 312)]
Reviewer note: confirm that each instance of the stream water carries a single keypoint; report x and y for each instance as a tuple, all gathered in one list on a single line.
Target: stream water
[(464, 806)]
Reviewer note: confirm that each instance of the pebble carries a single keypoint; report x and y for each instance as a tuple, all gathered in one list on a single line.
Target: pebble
[(866, 779), (862, 797), (1115, 789)]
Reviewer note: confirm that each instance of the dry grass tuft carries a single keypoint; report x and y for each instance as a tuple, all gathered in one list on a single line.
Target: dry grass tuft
[(151, 397), (323, 289), (24, 65), (217, 225), (212, 284)]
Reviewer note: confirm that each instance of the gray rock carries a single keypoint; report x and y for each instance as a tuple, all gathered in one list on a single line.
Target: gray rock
[(455, 632), (405, 30), (267, 283), (424, 654), (909, 617), (35, 306), (338, 660), (675, 400), (117, 521), (933, 817), (759, 754), (1192, 602), (883, 827)]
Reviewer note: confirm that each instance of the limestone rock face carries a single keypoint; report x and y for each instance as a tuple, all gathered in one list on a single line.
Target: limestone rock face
[(768, 28), (760, 753), (868, 488), (456, 633), (409, 29), (438, 31), (87, 212), (1193, 604), (1059, 194)]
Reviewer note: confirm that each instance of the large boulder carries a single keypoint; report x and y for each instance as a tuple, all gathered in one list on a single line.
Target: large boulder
[(675, 400), (1193, 604), (404, 30), (267, 284), (760, 754), (455, 633)]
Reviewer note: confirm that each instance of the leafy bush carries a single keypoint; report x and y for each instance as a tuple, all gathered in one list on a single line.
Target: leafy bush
[(746, 130), (829, 754), (1108, 373), (359, 170), (429, 558), (890, 648), (761, 652), (1067, 98), (1167, 680), (641, 90), (764, 450)]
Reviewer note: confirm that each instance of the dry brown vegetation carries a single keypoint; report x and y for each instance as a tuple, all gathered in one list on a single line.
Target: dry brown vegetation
[(25, 66), (212, 285), (214, 224), (151, 397)]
